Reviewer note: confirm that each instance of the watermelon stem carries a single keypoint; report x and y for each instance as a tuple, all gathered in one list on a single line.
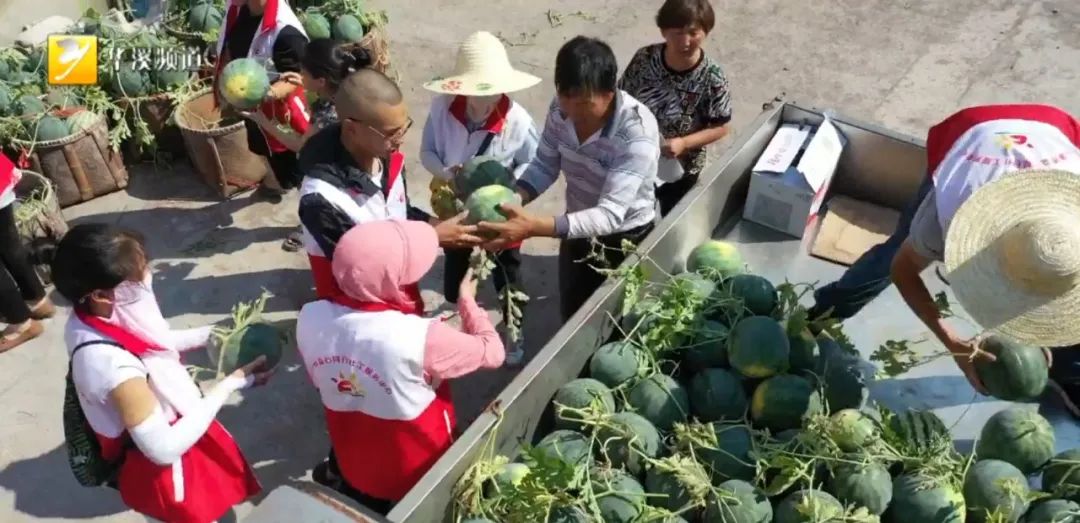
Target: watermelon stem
[(243, 315)]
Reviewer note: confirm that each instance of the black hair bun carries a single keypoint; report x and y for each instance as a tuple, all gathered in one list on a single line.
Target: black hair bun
[(355, 57)]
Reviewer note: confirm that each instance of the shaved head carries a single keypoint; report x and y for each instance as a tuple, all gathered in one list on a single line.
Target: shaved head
[(364, 92)]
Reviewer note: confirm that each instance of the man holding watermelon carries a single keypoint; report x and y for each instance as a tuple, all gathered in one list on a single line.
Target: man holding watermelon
[(608, 145), (1000, 208)]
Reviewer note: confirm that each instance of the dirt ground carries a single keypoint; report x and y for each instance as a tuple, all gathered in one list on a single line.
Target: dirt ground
[(903, 64)]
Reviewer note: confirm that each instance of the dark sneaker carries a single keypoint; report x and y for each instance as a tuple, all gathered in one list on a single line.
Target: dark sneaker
[(325, 477)]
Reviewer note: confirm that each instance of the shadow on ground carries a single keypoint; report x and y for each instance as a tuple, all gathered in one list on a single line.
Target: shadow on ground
[(178, 293), (927, 392)]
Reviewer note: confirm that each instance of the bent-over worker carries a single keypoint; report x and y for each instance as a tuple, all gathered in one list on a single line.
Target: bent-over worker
[(1000, 208)]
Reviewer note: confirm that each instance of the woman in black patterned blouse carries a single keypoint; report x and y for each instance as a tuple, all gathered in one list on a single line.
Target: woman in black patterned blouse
[(686, 91)]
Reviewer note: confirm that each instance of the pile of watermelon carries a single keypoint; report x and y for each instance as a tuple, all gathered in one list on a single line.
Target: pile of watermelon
[(721, 402), (57, 114), (346, 21)]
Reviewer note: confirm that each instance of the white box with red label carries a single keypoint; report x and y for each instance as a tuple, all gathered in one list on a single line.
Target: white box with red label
[(789, 181)]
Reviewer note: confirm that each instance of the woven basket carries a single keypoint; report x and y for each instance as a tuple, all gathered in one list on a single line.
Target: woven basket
[(82, 166), (377, 43), (219, 154), (156, 111), (43, 229)]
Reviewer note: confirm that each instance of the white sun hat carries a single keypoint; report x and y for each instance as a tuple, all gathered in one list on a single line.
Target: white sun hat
[(483, 68), (1013, 257)]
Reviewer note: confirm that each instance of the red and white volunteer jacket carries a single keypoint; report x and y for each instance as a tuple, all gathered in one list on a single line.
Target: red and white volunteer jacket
[(9, 177), (209, 478), (335, 195), (292, 110), (388, 423), (979, 144)]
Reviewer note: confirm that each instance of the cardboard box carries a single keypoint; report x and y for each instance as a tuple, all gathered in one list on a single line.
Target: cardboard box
[(786, 189)]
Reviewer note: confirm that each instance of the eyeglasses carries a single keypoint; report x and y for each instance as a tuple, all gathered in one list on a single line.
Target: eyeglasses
[(395, 136)]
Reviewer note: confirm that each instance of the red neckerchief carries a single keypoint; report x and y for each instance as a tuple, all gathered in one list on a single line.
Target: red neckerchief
[(131, 342), (417, 308), (495, 121)]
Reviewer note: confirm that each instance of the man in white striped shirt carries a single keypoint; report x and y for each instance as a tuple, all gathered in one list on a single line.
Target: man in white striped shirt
[(608, 144)]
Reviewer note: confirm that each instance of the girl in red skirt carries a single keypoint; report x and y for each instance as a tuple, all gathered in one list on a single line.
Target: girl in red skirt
[(178, 463)]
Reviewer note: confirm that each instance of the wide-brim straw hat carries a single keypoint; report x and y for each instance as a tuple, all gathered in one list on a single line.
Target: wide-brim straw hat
[(1013, 257), (483, 68)]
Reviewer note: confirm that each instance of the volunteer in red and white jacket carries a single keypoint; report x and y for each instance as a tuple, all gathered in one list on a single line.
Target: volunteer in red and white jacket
[(380, 367), (475, 117), (1000, 207), (354, 173), (179, 464), (267, 30), (22, 297)]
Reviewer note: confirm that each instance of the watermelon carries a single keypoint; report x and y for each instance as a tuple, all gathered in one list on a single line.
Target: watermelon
[(481, 171), (129, 82), (666, 488), (758, 347), (347, 28), (477, 520), (568, 514), (626, 438), (1019, 436), (244, 83), (29, 105), (918, 433), (803, 350), (1062, 475), (580, 394), (661, 400), (246, 344), (569, 447), (717, 394), (708, 346), (315, 25), (614, 363), (82, 121), (808, 506), (24, 79), (1052, 511), (862, 485), (781, 402), (694, 285), (852, 430), (641, 316), (995, 487), (168, 79), (511, 475), (62, 97), (619, 496), (47, 128), (845, 385), (730, 459), (483, 204), (736, 501), (917, 498), (715, 258), (204, 18), (5, 69), (757, 293), (1019, 373), (5, 99), (35, 60)]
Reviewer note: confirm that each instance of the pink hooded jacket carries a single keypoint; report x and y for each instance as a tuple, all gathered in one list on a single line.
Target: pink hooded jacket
[(375, 262)]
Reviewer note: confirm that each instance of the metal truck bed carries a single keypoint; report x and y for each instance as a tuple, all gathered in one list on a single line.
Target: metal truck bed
[(877, 165)]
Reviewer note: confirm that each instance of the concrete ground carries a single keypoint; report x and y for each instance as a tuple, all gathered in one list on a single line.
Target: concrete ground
[(904, 64)]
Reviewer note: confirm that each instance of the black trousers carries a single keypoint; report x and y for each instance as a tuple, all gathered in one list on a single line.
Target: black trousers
[(19, 283), (577, 278), (669, 194), (507, 272), (283, 164), (379, 506)]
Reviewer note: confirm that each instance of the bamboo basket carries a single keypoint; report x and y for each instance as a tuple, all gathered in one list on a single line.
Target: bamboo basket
[(81, 166), (219, 154), (155, 111), (39, 220), (377, 43)]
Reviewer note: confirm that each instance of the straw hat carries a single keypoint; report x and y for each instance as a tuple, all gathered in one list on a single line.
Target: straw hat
[(1013, 256), (483, 68)]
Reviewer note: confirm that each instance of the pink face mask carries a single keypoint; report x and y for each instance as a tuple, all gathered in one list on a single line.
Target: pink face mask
[(135, 308)]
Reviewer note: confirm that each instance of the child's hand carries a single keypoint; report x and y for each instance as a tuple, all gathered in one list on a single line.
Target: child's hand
[(454, 170)]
